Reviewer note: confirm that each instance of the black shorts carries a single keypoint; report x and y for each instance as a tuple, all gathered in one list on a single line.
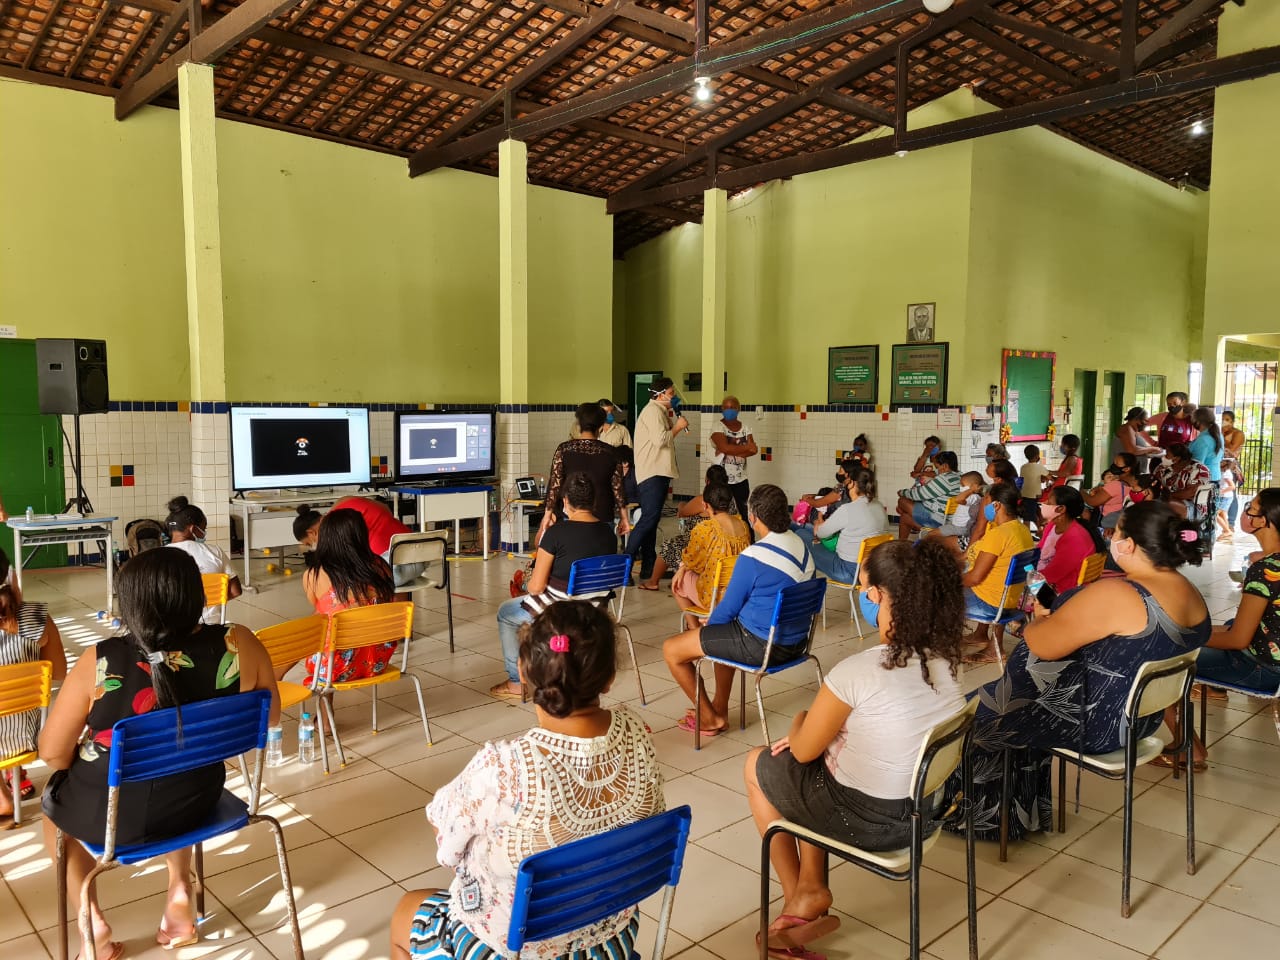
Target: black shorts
[(808, 794), (733, 641)]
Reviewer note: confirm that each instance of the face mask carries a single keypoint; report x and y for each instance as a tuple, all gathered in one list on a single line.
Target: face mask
[(870, 610), (990, 459), (675, 404), (934, 450), (1115, 555), (990, 512), (841, 479), (197, 534), (608, 417), (1047, 512), (1248, 522), (729, 414), (1062, 450), (857, 448)]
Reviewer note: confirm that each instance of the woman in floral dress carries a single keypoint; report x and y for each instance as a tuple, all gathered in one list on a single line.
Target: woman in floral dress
[(168, 658), (1087, 651)]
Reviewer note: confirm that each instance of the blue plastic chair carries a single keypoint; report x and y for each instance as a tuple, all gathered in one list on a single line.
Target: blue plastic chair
[(609, 574), (148, 747), (574, 885), (796, 604), (1016, 576)]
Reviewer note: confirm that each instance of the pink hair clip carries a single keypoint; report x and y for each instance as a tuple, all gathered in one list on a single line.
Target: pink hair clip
[(1189, 536), (560, 643)]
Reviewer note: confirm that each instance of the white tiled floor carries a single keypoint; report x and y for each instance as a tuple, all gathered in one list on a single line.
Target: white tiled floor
[(358, 837)]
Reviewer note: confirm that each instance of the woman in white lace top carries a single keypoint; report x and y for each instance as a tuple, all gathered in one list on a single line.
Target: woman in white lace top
[(583, 770)]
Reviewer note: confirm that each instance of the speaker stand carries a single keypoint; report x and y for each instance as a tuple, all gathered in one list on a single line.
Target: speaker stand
[(79, 501)]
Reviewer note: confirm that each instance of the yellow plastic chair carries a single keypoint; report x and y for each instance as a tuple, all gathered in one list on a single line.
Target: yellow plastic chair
[(723, 571), (23, 687), (953, 504), (215, 592), (364, 627), (289, 643), (864, 551), (1091, 568)]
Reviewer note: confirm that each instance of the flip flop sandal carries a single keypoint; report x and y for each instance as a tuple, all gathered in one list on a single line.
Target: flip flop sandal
[(798, 931), (687, 723), (1179, 763), (792, 953), (117, 951), (172, 942)]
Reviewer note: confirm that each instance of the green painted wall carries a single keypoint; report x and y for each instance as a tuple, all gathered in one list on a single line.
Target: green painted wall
[(1074, 253), (663, 290), (1243, 284), (344, 280), (570, 297), (91, 233)]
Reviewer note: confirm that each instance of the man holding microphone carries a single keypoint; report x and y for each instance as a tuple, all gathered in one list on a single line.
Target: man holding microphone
[(657, 427)]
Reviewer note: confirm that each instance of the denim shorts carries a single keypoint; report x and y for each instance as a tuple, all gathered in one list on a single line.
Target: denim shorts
[(923, 518), (1238, 668), (811, 796), (975, 608)]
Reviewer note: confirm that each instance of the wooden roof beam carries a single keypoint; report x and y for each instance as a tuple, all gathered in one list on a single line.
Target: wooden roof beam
[(1019, 54), (1059, 39), (1160, 85), (805, 31), (1168, 31), (205, 47)]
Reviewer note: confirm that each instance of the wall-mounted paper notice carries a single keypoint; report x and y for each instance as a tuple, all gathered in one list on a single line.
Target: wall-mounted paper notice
[(948, 416)]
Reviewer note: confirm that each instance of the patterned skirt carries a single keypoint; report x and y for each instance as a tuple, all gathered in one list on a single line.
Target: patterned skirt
[(435, 935)]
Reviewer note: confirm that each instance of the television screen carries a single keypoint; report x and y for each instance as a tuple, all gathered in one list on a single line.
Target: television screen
[(445, 445), (299, 447)]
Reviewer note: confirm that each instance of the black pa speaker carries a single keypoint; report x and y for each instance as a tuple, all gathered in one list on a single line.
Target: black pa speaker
[(71, 376)]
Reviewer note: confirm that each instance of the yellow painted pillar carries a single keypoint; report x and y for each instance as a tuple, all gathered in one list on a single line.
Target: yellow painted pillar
[(202, 233), (513, 272), (715, 250), (202, 238)]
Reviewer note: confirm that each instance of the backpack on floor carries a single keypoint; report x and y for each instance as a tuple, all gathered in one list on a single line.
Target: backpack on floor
[(143, 534)]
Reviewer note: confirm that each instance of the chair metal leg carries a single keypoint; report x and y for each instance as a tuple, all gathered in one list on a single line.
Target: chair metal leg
[(697, 700), (422, 706), (914, 884), (742, 702), (324, 745), (84, 921), (1204, 710), (15, 781), (854, 615), (60, 866), (448, 602), (1006, 761), (635, 664), (971, 876), (1127, 850), (763, 936), (1191, 793), (764, 724), (1062, 795), (373, 691), (327, 701), (286, 881), (198, 857)]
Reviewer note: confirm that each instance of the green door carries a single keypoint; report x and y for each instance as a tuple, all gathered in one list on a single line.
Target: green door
[(30, 447), (1084, 416), (638, 392)]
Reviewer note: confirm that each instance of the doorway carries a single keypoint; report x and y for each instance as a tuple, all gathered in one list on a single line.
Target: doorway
[(1084, 419), (638, 391), (1113, 399), (1251, 393)]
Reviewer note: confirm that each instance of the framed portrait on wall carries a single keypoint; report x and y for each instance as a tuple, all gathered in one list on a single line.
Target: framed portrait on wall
[(920, 322)]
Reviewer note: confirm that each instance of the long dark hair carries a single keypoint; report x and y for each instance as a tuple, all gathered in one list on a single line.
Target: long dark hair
[(183, 515), (1203, 421), (342, 552), (923, 581), (1072, 504), (161, 600), (1167, 539)]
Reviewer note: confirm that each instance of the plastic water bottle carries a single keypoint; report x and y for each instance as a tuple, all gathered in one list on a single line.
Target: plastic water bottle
[(31, 514), (1035, 580), (275, 746), (306, 739)]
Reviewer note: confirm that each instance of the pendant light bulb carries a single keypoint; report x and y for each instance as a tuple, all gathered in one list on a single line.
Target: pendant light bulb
[(938, 6), (702, 92)]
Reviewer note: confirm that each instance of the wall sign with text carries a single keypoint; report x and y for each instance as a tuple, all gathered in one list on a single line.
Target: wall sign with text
[(853, 374), (918, 374)]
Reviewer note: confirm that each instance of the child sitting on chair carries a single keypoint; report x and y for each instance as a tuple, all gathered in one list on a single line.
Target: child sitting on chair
[(845, 769), (583, 770)]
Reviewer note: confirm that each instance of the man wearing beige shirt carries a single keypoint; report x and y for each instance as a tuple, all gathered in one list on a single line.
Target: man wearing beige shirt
[(657, 427)]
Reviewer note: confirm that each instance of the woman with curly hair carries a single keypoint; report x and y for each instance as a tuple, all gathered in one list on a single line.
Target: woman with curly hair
[(845, 768)]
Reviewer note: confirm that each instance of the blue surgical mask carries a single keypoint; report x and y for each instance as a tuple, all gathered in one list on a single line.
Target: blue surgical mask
[(675, 404), (608, 417), (870, 609), (934, 450), (990, 512), (1062, 450), (729, 414)]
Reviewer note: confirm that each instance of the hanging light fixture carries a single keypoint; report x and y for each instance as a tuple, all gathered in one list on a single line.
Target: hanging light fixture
[(702, 89), (938, 6), (1198, 129)]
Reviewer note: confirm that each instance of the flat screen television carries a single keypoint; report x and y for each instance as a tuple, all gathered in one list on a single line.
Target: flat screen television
[(274, 447), (445, 445)]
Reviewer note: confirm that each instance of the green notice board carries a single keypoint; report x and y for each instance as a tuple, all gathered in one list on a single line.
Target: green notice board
[(1027, 392), (853, 374), (918, 374)]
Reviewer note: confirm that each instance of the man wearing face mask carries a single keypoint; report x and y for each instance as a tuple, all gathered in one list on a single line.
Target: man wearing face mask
[(657, 427), (614, 433), (734, 446)]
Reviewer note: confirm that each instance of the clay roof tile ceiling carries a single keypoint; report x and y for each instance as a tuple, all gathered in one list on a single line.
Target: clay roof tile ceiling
[(440, 80)]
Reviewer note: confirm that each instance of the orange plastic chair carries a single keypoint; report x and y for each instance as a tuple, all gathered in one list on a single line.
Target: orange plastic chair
[(1091, 568), (23, 687), (724, 570), (289, 643), (215, 592), (363, 627)]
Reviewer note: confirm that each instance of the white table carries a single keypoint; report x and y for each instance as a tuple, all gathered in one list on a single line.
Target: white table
[(441, 504), (46, 530), (524, 542), (268, 521)]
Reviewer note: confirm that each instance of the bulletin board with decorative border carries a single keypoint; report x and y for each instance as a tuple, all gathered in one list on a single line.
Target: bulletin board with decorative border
[(1027, 382)]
